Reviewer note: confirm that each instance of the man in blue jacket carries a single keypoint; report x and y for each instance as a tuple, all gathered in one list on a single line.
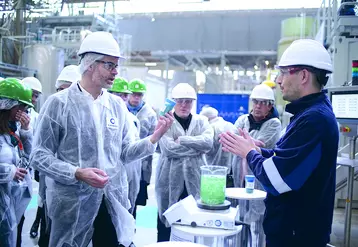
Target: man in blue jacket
[(299, 173)]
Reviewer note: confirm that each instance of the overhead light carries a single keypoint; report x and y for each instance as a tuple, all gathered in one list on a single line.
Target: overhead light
[(150, 64), (267, 62)]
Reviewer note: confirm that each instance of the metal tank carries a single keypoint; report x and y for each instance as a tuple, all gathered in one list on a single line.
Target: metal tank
[(48, 61)]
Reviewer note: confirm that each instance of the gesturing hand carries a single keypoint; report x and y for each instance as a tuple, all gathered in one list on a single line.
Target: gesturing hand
[(164, 123), (239, 145)]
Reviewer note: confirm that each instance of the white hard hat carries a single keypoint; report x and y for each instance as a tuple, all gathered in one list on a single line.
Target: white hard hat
[(209, 112), (307, 52), (69, 73), (32, 83), (262, 91), (183, 91), (101, 43)]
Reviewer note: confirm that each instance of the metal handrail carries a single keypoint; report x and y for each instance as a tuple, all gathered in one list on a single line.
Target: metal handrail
[(343, 182)]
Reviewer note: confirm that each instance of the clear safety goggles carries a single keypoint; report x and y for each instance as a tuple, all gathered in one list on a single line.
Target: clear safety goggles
[(184, 101), (292, 70)]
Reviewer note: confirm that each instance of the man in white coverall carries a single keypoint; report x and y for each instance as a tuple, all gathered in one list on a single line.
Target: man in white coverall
[(86, 136), (182, 154)]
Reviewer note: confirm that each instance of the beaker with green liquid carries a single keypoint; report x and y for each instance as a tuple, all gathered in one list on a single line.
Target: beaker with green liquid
[(213, 184)]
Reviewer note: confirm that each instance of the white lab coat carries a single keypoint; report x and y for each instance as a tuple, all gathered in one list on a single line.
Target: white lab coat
[(84, 132), (216, 156), (180, 162), (14, 196), (133, 169)]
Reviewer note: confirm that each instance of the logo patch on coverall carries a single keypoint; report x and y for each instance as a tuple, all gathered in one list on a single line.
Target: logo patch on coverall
[(112, 122)]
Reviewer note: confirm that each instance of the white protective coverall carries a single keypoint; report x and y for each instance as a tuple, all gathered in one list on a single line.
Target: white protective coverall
[(180, 163), (78, 131), (216, 156), (33, 118), (133, 169), (14, 196), (148, 121), (253, 211)]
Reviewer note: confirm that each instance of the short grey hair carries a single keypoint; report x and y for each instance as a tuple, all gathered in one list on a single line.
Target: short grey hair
[(87, 60)]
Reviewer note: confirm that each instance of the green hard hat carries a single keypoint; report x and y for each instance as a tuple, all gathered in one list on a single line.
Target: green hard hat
[(120, 85), (137, 86), (12, 88)]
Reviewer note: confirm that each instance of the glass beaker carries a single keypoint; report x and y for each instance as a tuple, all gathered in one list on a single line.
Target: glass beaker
[(213, 184)]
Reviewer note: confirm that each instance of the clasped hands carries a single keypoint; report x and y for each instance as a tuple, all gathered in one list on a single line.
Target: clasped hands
[(239, 145)]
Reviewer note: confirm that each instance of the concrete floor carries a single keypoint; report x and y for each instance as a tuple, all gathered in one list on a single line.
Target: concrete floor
[(146, 232)]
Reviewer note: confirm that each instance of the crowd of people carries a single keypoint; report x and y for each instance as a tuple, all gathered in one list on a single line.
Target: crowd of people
[(91, 149)]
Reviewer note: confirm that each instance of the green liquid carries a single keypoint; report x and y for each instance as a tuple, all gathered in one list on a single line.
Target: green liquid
[(212, 189)]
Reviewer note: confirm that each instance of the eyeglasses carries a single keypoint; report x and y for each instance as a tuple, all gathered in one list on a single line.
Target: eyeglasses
[(261, 102), (184, 101), (108, 65)]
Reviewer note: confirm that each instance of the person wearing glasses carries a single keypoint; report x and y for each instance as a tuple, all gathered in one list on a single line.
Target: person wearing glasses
[(299, 173), (86, 136), (148, 120), (264, 127), (15, 148), (69, 74), (183, 150)]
